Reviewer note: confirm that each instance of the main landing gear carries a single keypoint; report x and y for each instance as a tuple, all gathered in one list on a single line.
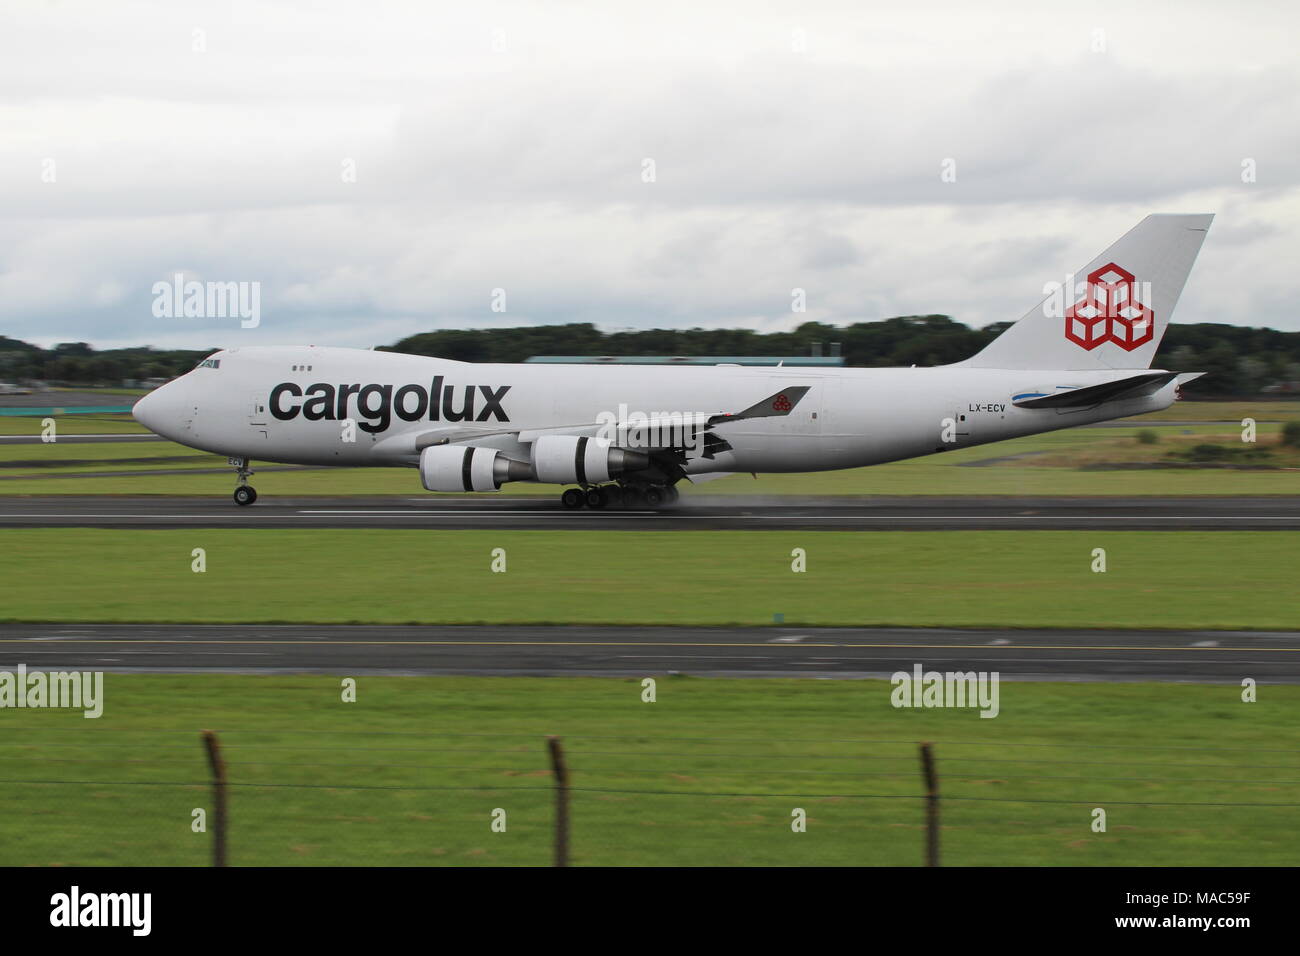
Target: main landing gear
[(245, 494), (627, 496)]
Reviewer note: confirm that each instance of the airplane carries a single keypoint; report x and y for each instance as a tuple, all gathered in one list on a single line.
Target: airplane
[(629, 434)]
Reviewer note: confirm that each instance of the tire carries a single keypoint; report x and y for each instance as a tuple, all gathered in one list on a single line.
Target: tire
[(596, 498), (245, 495), (653, 497), (573, 498), (673, 494)]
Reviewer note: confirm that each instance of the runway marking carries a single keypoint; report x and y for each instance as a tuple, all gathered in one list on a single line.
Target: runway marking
[(650, 515), (478, 514), (360, 643), (778, 517)]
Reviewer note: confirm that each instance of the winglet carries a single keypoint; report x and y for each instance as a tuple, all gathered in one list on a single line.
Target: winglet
[(774, 406)]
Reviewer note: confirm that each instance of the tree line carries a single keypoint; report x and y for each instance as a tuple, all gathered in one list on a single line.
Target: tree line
[(1240, 361)]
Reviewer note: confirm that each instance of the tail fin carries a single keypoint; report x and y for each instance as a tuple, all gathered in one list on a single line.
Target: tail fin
[(1118, 309)]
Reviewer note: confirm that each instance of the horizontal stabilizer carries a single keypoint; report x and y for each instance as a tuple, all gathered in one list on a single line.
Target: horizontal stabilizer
[(1131, 386)]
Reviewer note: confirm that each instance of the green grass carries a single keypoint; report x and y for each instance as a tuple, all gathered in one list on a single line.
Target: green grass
[(708, 774), (1124, 448), (1261, 410), (101, 390), (946, 474), (976, 578), (72, 424), (97, 456)]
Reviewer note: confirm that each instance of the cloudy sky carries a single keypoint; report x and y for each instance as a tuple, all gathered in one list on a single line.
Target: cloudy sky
[(381, 168)]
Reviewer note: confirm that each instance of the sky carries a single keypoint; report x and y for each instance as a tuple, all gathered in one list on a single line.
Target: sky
[(382, 169)]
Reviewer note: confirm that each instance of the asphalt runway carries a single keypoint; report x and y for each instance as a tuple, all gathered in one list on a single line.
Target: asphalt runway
[(693, 512), (629, 651)]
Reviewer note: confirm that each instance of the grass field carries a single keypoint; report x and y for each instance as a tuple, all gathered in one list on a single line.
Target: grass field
[(709, 773), (82, 456), (73, 425), (1166, 445), (1236, 580), (1056, 463), (133, 392), (1260, 410)]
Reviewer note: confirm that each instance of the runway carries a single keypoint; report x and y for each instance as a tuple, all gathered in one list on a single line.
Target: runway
[(694, 512), (629, 651)]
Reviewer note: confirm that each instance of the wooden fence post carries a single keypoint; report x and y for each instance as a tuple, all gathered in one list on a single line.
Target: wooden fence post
[(218, 765), (561, 801), (931, 806)]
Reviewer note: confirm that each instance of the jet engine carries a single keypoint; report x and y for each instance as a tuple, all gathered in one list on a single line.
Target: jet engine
[(468, 468), (565, 459)]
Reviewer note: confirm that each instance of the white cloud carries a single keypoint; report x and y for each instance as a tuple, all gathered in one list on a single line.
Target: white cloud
[(519, 167)]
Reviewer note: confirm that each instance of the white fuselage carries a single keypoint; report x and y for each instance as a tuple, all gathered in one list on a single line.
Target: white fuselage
[(293, 405)]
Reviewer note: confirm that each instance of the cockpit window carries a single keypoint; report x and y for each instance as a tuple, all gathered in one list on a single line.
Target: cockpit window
[(209, 363)]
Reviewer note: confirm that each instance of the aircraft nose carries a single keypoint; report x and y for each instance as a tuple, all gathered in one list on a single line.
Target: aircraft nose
[(156, 411)]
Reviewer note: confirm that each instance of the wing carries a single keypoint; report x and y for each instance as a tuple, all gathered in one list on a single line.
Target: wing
[(667, 438), (667, 431)]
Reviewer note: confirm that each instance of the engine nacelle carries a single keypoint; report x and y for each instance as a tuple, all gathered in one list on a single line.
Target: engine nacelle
[(565, 459), (468, 468)]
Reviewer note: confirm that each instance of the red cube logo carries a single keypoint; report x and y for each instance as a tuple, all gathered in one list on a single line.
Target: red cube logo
[(1110, 312)]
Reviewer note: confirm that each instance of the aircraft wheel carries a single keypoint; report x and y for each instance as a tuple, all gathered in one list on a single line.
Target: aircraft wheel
[(245, 495), (596, 498), (653, 497), (573, 498), (631, 497), (613, 495), (673, 494)]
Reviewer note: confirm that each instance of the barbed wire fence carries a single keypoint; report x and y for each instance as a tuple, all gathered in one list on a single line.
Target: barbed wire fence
[(290, 796)]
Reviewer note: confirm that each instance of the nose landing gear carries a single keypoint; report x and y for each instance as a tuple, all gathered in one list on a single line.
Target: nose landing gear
[(245, 494)]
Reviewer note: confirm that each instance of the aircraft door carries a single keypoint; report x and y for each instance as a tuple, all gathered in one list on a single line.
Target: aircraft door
[(258, 416), (961, 430)]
